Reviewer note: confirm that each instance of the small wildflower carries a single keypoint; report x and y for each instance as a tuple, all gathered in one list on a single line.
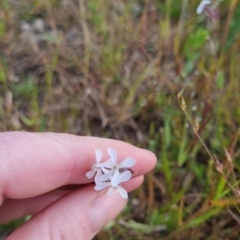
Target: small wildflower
[(111, 167), (202, 5), (110, 173), (115, 182), (96, 168)]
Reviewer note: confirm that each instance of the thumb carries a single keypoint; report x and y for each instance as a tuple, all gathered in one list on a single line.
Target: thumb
[(78, 215)]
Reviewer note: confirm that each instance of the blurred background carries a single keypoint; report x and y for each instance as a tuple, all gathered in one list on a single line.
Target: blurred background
[(115, 69)]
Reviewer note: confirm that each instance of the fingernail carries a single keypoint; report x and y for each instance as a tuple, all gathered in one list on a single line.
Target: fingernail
[(104, 209)]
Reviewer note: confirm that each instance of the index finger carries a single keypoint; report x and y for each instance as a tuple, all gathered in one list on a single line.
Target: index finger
[(35, 163)]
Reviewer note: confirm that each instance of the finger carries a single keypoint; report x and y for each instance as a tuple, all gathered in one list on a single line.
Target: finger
[(78, 215), (36, 163), (14, 209)]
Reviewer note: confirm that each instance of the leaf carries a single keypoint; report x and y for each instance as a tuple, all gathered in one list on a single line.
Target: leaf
[(145, 228), (194, 42), (224, 202), (182, 155)]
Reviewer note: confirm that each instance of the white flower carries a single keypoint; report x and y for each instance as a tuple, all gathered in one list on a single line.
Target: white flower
[(202, 5), (115, 182), (111, 167), (109, 173), (96, 168)]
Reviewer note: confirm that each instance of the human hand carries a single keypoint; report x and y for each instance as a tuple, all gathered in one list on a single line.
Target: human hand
[(33, 167)]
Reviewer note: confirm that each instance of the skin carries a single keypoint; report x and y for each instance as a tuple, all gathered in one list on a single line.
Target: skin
[(43, 175)]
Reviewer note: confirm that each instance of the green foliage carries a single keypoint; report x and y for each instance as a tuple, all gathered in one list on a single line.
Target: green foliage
[(2, 72), (182, 154), (194, 42), (24, 88), (97, 15), (220, 80), (2, 27), (234, 29)]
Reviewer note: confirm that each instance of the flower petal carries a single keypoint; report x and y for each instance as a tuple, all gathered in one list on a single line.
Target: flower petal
[(105, 170), (105, 177), (110, 191), (202, 5), (90, 174), (101, 185), (97, 176), (122, 192), (113, 155), (107, 164), (115, 180), (126, 163), (98, 154), (125, 176), (200, 8)]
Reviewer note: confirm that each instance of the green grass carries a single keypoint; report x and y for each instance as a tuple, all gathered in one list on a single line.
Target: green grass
[(114, 69)]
